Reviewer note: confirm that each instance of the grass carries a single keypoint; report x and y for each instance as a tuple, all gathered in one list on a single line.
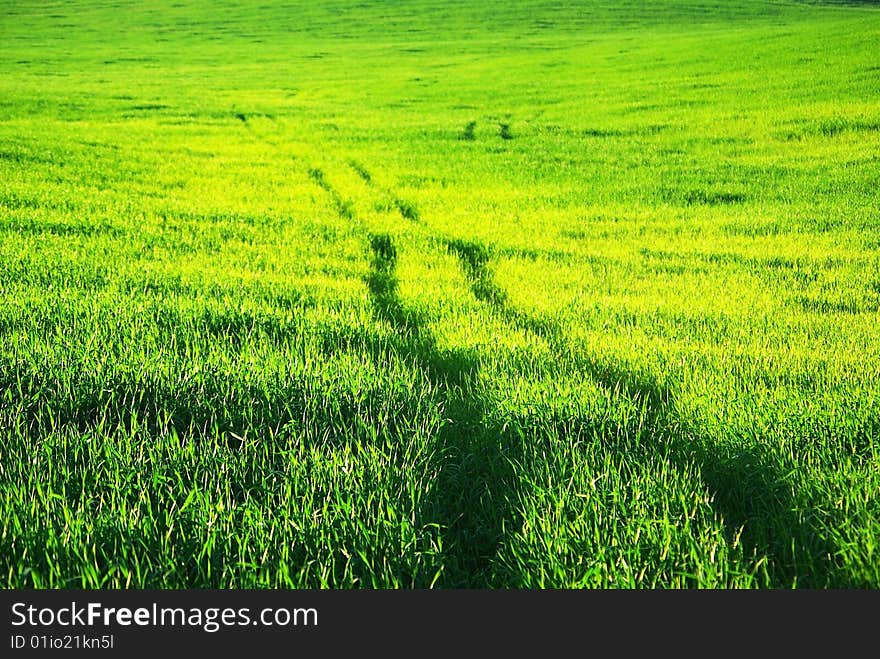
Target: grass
[(528, 295)]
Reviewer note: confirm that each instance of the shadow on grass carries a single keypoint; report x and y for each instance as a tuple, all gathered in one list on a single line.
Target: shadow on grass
[(472, 497), (750, 484)]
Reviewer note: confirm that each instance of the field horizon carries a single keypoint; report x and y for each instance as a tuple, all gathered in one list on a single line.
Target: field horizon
[(440, 295)]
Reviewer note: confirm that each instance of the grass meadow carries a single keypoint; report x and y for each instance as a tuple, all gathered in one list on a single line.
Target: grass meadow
[(435, 294)]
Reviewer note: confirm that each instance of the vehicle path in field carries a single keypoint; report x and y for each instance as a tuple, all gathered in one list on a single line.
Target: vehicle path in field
[(472, 497), (746, 484), (473, 500)]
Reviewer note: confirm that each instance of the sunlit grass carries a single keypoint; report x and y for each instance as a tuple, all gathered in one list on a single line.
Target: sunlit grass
[(439, 295)]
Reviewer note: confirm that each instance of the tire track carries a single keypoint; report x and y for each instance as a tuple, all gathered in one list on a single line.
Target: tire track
[(405, 208), (248, 126), (748, 484), (344, 207), (471, 500)]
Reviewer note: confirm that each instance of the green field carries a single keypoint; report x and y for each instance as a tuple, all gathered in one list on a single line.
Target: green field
[(363, 294)]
